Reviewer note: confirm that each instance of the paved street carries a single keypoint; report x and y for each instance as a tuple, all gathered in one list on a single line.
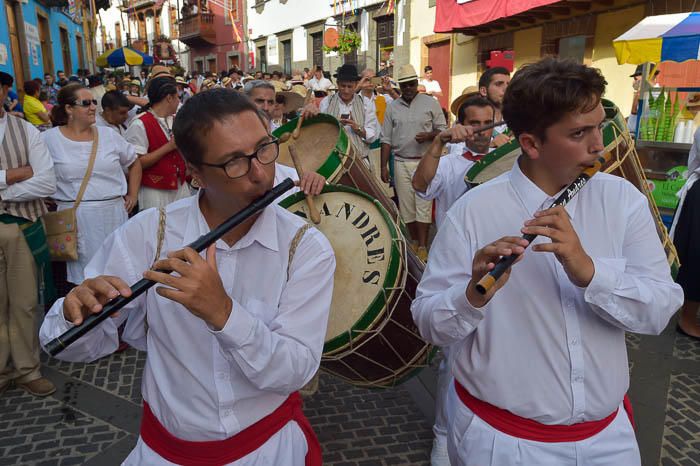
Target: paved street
[(94, 416)]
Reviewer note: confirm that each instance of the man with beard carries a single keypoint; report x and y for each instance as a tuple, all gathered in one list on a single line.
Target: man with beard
[(492, 85)]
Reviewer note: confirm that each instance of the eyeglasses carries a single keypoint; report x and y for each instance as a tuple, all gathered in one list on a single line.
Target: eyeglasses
[(85, 103), (239, 165)]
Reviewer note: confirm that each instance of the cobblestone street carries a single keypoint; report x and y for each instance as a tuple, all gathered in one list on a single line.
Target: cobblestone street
[(93, 418)]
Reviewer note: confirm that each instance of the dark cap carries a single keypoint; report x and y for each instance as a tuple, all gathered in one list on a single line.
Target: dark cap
[(638, 71), (347, 73)]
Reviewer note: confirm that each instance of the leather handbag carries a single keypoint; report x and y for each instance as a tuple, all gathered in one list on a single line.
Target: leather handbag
[(62, 226)]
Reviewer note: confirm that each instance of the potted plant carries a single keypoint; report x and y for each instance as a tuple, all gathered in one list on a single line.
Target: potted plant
[(348, 41)]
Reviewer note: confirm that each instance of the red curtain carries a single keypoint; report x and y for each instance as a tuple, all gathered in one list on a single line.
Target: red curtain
[(457, 14)]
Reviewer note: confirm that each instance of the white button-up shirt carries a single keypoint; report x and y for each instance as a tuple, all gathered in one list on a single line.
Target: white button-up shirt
[(448, 184), (203, 384), (43, 182), (543, 348)]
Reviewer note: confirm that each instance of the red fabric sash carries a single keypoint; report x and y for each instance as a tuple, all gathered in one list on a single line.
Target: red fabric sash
[(528, 429), (166, 172), (219, 452)]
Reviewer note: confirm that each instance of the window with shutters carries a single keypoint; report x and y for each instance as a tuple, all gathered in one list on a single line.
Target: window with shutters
[(317, 48), (385, 43)]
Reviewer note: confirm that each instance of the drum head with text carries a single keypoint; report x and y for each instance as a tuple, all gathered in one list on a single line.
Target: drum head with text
[(368, 261)]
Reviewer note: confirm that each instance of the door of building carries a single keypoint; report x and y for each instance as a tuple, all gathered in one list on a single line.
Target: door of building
[(287, 56), (262, 58), (80, 51), (317, 48), (15, 50), (439, 59), (45, 39), (65, 51)]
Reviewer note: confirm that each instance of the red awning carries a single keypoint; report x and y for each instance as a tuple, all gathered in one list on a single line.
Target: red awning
[(459, 14)]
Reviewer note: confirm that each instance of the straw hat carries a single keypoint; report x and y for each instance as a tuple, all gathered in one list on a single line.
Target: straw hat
[(180, 80), (135, 82), (406, 73), (294, 99), (226, 81), (468, 91), (206, 85), (279, 86), (159, 71)]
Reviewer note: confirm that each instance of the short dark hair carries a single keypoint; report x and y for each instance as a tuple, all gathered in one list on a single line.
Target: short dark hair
[(427, 68), (31, 87), (59, 71), (487, 76), (474, 101), (540, 94), (6, 79), (197, 116), (159, 88), (114, 100)]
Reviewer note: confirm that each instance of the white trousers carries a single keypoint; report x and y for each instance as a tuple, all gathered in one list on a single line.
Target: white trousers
[(286, 447), (445, 380), (472, 442), (150, 197)]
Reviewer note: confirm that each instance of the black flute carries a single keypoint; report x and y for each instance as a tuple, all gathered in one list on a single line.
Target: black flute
[(60, 343), (488, 280)]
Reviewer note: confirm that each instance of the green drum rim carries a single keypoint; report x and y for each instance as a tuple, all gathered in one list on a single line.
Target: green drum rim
[(377, 306), (492, 157), (611, 137), (333, 165)]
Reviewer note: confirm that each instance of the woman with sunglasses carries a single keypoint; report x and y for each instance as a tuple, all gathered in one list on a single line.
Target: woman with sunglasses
[(110, 195)]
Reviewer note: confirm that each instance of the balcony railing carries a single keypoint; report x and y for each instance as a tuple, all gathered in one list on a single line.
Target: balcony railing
[(197, 28)]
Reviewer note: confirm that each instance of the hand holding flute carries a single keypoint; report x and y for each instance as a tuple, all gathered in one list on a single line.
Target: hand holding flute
[(553, 223)]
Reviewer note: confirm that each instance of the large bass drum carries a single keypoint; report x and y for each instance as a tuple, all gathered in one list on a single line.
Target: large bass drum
[(371, 340)]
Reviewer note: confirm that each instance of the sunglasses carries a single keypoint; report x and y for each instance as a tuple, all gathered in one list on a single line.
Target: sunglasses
[(85, 103)]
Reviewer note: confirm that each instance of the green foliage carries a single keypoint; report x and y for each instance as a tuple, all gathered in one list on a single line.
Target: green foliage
[(347, 42)]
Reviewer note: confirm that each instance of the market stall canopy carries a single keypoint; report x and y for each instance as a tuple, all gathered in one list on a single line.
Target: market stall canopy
[(660, 38), (123, 56), (451, 15)]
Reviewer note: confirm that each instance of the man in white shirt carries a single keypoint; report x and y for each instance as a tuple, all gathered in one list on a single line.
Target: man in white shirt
[(492, 85), (357, 114), (539, 361), (319, 83), (240, 328), (26, 177), (440, 176), (432, 86), (440, 173), (115, 112)]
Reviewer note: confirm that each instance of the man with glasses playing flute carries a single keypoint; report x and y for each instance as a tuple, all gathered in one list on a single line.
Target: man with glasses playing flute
[(539, 361), (235, 331)]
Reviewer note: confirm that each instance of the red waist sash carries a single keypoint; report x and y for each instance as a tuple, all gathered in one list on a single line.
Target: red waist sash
[(528, 429), (219, 452)]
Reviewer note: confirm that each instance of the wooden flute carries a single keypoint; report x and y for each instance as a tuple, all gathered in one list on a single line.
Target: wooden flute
[(60, 343), (489, 280)]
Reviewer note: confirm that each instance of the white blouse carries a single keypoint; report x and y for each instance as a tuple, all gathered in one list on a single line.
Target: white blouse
[(71, 159)]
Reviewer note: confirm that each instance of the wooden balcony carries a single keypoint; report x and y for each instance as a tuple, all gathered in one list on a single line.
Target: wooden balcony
[(197, 30)]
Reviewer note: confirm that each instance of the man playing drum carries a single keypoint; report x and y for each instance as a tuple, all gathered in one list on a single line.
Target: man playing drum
[(357, 114), (239, 329), (539, 361), (440, 176), (262, 93)]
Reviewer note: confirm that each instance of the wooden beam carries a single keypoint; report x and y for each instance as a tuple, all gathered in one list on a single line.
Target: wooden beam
[(527, 19), (512, 22), (539, 14), (576, 5), (559, 10)]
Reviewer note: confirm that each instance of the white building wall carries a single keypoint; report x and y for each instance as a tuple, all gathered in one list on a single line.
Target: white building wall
[(274, 16)]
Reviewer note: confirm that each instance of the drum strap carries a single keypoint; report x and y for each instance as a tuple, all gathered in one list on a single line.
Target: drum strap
[(295, 243)]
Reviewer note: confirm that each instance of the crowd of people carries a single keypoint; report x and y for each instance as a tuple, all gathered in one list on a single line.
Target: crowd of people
[(237, 331)]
